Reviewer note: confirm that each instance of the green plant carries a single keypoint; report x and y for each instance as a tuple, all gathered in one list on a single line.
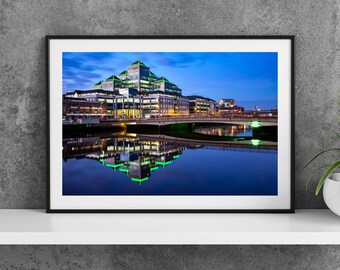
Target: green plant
[(329, 168)]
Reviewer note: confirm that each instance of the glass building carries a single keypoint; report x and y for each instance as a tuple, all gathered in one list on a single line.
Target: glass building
[(158, 105), (139, 76), (137, 92), (201, 105), (167, 87), (112, 83), (124, 103)]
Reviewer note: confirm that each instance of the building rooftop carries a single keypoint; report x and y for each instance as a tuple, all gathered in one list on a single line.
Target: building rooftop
[(99, 91), (196, 97), (113, 78), (138, 63), (153, 75), (162, 79), (98, 83), (226, 99), (123, 73)]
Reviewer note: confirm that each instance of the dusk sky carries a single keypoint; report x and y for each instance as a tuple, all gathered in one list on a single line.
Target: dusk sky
[(250, 78)]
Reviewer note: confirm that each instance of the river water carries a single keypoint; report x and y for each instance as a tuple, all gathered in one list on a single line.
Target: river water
[(147, 165), (225, 131)]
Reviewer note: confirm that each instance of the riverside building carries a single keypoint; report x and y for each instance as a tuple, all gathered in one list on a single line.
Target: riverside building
[(227, 103), (137, 92), (201, 105), (124, 103), (227, 106), (75, 110), (139, 76)]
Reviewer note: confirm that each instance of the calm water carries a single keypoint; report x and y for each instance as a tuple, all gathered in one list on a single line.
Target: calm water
[(147, 166), (232, 130)]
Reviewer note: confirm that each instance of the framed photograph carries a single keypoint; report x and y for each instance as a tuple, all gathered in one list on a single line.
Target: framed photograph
[(170, 124)]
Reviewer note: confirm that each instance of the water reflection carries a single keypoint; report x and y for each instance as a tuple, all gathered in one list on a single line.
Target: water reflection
[(226, 131), (134, 156), (113, 165)]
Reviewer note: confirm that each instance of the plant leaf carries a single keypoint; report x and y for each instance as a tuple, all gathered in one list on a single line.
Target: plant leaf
[(330, 169), (314, 172), (334, 130), (322, 152)]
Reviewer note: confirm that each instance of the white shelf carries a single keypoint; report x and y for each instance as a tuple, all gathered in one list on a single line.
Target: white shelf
[(35, 227)]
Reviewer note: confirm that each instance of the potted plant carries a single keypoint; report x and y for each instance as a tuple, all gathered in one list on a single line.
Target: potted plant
[(329, 180)]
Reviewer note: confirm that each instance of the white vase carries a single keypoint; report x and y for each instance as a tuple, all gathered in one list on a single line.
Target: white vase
[(331, 193)]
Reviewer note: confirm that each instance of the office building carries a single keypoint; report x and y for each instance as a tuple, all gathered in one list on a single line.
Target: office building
[(83, 111), (227, 103), (201, 105), (139, 76)]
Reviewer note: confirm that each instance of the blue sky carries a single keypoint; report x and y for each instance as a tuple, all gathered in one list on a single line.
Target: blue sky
[(250, 78)]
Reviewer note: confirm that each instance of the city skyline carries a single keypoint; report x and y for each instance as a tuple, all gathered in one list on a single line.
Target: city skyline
[(178, 109), (250, 78)]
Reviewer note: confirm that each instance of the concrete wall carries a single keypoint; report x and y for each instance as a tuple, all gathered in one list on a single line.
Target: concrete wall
[(23, 25), (169, 257)]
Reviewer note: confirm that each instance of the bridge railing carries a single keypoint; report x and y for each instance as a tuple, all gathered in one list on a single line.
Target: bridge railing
[(236, 117), (171, 119)]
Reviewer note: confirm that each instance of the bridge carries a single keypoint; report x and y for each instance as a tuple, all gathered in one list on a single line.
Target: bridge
[(238, 145), (253, 122)]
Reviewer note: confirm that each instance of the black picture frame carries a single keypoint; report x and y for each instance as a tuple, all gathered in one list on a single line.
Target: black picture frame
[(291, 38)]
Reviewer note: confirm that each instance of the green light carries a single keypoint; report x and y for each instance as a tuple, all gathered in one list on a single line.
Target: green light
[(114, 165), (238, 139), (144, 161), (255, 142), (124, 170), (101, 160), (177, 156), (153, 169), (139, 180), (255, 124), (163, 163)]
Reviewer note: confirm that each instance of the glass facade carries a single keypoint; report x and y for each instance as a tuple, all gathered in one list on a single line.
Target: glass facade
[(201, 105), (137, 92), (139, 76)]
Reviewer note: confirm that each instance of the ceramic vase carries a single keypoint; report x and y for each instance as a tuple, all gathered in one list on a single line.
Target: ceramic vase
[(331, 193)]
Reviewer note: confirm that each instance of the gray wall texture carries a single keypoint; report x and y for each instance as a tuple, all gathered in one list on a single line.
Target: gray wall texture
[(169, 257), (23, 25)]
